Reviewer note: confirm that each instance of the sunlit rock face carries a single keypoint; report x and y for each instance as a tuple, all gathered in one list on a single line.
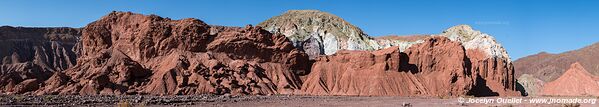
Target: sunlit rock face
[(319, 33), (472, 39), (489, 59)]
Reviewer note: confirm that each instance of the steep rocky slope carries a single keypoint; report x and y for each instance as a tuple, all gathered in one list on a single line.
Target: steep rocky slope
[(31, 55), (491, 65), (576, 81), (127, 53), (548, 67)]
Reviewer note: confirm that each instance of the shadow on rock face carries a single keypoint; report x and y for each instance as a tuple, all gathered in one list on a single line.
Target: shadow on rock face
[(405, 65), (481, 89), (521, 89)]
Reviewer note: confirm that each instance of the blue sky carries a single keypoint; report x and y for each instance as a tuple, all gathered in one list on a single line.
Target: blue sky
[(523, 27)]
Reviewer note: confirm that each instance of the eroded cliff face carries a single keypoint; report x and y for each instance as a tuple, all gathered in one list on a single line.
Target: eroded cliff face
[(436, 67), (127, 53), (491, 65), (31, 55)]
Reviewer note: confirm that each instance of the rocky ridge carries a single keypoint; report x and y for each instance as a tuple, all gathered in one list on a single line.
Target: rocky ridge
[(127, 53), (576, 81), (548, 66)]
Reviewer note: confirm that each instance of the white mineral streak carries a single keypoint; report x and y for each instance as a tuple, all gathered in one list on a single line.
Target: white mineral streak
[(321, 33)]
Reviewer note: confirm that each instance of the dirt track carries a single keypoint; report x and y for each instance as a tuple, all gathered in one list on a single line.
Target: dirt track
[(237, 101)]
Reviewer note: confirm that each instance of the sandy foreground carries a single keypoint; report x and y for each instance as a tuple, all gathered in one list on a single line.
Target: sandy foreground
[(293, 101)]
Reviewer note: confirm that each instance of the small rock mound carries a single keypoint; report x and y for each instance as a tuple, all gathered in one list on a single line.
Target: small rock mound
[(576, 81)]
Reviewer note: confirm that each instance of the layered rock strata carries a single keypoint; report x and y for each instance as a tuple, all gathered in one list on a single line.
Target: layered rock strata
[(31, 55), (549, 66), (127, 53), (436, 67)]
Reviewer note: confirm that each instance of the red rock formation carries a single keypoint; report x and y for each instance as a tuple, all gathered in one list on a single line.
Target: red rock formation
[(576, 81), (437, 67), (494, 76), (126, 53), (31, 55)]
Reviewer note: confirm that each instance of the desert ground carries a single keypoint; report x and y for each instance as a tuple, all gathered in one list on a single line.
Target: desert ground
[(273, 101)]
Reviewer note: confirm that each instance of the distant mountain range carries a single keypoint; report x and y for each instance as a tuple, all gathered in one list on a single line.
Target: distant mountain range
[(535, 71)]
